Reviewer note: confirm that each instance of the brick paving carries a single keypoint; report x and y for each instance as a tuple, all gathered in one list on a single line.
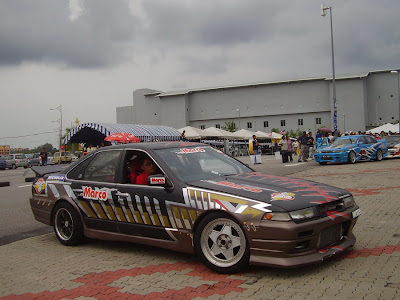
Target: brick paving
[(41, 268)]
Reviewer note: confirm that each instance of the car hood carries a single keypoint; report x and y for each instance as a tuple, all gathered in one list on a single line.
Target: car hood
[(284, 192), (339, 147), (40, 171)]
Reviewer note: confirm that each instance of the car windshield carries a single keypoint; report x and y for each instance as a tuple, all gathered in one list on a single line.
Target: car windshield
[(196, 163), (345, 141)]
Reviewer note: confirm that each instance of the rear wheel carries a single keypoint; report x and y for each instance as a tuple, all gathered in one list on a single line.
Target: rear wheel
[(352, 157), (67, 225), (379, 155), (221, 244), (14, 167)]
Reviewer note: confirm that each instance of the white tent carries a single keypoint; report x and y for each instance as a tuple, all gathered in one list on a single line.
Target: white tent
[(218, 132), (385, 128), (243, 134), (192, 133), (274, 135)]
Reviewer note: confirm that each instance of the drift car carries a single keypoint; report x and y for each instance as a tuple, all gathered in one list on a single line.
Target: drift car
[(199, 201), (393, 144), (352, 148)]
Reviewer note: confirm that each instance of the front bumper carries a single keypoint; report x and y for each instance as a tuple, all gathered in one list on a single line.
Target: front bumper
[(331, 157), (289, 244)]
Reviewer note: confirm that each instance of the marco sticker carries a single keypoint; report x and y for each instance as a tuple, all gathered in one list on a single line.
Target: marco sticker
[(282, 196), (97, 194), (188, 151), (40, 186)]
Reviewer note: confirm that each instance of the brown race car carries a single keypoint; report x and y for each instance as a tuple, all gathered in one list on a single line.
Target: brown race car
[(192, 198)]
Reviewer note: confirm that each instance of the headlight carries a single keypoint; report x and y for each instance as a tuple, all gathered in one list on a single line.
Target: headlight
[(302, 214), (348, 202), (295, 215)]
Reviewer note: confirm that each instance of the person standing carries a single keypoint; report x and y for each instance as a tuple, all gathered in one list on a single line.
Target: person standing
[(256, 150), (43, 156), (284, 149), (303, 146), (290, 148), (310, 144)]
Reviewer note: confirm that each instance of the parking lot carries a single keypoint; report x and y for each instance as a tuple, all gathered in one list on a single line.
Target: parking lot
[(40, 267)]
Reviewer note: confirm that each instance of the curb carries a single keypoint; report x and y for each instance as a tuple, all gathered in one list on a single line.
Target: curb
[(5, 183)]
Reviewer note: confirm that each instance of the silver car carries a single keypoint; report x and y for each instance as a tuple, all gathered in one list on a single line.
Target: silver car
[(14, 161)]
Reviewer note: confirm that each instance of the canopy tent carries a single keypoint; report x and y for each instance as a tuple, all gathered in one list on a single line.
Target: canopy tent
[(385, 128), (192, 133), (218, 132), (274, 135), (243, 134), (94, 133)]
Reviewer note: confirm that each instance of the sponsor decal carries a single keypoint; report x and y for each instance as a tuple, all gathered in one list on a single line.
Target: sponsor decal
[(40, 186), (157, 180), (96, 194), (56, 177), (282, 196), (248, 188), (188, 151)]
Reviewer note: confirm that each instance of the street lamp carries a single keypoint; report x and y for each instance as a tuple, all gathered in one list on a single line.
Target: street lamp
[(238, 110), (398, 90), (59, 108), (344, 123), (323, 13)]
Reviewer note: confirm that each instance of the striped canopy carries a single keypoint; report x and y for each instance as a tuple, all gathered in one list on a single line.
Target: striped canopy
[(94, 133)]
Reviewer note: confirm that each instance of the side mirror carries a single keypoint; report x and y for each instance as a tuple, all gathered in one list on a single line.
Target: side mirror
[(158, 180)]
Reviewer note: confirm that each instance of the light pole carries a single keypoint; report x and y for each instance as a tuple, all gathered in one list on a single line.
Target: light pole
[(398, 90), (344, 123), (59, 108), (238, 110), (323, 13)]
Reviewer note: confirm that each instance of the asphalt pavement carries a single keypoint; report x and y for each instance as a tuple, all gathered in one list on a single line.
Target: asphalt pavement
[(40, 267)]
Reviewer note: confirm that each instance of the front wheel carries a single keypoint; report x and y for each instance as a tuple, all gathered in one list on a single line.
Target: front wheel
[(352, 157), (322, 163), (221, 244), (67, 225), (379, 155)]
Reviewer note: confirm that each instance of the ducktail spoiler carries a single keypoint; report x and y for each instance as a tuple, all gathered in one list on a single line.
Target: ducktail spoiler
[(40, 171)]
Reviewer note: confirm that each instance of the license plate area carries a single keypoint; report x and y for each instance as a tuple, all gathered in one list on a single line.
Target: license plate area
[(326, 157)]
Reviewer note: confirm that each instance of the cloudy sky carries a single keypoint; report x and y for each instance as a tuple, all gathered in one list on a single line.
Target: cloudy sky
[(89, 55)]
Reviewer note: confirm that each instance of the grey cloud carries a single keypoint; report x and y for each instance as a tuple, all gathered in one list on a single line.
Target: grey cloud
[(41, 31)]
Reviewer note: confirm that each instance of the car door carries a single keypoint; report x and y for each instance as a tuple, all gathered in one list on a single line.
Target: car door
[(93, 188), (146, 209)]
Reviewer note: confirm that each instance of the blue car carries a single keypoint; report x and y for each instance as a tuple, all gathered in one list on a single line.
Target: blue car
[(352, 148)]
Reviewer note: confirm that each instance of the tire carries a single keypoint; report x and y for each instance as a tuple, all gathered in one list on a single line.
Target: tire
[(352, 157), (379, 155), (221, 244), (323, 163), (67, 225), (13, 167)]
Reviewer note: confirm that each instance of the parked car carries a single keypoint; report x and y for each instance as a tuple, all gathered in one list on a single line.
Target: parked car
[(199, 200), (63, 157), (14, 161), (50, 159), (352, 148), (3, 163), (393, 144), (34, 159), (74, 157)]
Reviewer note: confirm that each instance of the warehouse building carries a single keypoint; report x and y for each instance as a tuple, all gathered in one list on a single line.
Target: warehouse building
[(364, 101)]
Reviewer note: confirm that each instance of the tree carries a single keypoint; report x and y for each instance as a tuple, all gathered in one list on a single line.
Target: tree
[(229, 126)]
